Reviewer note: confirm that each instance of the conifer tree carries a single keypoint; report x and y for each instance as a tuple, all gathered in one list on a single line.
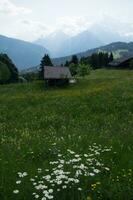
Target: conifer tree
[(111, 57), (74, 60), (46, 61), (66, 64)]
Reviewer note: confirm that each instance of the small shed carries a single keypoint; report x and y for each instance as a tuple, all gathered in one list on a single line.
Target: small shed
[(122, 63), (56, 76)]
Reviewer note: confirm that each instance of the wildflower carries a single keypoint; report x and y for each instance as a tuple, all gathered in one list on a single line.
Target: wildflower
[(44, 198), (85, 155), (71, 152), (76, 180), (77, 156), (106, 168), (98, 183), (40, 187), (45, 192), (59, 155), (64, 186), (36, 196), (50, 190), (16, 191), (21, 175), (94, 186), (32, 179), (91, 174), (25, 174), (96, 171), (18, 182), (39, 170)]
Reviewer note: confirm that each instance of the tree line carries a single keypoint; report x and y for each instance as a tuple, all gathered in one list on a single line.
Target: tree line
[(96, 60), (81, 67)]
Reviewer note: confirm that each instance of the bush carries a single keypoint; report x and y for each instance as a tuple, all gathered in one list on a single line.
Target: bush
[(73, 69), (83, 70)]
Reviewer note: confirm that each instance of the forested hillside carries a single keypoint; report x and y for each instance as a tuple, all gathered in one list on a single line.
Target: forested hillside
[(8, 71)]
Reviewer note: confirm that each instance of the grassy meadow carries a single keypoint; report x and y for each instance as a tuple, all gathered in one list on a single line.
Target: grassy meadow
[(73, 143)]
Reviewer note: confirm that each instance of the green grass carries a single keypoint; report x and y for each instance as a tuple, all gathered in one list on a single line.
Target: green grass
[(37, 125)]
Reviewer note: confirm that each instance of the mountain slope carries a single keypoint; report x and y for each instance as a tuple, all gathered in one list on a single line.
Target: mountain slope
[(24, 54), (60, 44), (53, 42), (82, 42), (119, 49)]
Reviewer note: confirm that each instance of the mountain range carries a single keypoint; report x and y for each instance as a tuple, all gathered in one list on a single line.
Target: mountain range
[(60, 44), (24, 54), (99, 34)]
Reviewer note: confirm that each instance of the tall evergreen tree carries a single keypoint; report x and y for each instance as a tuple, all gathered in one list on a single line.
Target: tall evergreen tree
[(74, 60), (101, 59), (111, 57), (84, 60), (46, 61), (105, 59), (94, 61), (66, 64)]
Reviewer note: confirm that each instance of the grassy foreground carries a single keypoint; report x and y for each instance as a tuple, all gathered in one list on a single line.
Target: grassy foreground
[(74, 143)]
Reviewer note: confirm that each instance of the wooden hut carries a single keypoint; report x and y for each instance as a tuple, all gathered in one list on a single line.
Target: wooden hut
[(56, 76), (122, 63)]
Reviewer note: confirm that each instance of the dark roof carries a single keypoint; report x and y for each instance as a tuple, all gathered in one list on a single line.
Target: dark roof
[(57, 73), (120, 60)]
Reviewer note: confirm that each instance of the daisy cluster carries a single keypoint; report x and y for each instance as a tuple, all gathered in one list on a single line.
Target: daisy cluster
[(66, 172)]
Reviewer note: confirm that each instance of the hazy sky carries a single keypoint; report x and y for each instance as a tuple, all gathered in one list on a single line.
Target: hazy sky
[(30, 19)]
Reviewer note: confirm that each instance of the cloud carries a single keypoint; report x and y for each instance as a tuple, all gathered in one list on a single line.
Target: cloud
[(73, 25), (8, 8), (31, 30)]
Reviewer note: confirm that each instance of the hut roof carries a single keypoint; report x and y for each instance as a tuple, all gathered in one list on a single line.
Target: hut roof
[(56, 72), (121, 60)]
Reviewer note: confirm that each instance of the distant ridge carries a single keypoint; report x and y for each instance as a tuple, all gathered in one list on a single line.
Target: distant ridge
[(119, 50), (60, 44)]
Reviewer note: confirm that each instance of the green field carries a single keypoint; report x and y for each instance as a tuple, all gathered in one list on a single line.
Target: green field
[(73, 143)]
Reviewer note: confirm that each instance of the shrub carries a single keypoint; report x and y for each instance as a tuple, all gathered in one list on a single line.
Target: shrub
[(83, 70), (73, 69)]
